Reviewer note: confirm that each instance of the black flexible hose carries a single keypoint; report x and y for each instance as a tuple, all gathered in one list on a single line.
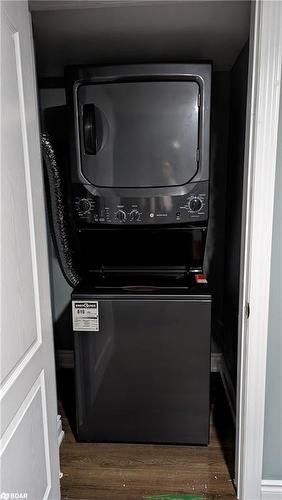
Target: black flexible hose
[(58, 214)]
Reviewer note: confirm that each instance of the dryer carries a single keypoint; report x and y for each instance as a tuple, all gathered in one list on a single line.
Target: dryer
[(139, 142)]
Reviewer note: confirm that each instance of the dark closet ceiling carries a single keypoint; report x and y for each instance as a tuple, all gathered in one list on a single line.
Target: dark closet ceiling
[(102, 32)]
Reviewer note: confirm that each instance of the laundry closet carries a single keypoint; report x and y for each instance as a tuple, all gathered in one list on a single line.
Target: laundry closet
[(154, 266)]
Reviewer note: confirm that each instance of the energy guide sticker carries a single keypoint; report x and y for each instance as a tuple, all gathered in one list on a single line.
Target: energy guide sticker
[(85, 316)]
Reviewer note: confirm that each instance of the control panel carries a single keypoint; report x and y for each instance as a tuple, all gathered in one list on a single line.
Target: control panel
[(188, 208)]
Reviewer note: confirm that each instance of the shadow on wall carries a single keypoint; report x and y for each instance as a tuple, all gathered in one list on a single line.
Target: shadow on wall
[(215, 246), (222, 262), (63, 334), (238, 94)]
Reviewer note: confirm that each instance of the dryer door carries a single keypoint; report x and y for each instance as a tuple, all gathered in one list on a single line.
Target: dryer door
[(139, 134)]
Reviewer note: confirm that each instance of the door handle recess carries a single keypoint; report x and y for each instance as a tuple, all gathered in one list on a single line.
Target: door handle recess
[(89, 129)]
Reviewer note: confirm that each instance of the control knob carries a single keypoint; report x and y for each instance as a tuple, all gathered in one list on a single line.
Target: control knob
[(195, 204), (134, 215), (84, 205), (121, 215)]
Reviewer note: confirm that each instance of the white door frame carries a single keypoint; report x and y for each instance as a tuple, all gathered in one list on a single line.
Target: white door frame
[(260, 158)]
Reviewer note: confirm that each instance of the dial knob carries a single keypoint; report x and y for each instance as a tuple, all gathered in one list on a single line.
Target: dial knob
[(121, 215), (84, 205), (134, 215), (195, 204)]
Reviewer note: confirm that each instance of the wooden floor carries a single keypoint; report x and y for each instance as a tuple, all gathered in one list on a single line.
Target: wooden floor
[(130, 471)]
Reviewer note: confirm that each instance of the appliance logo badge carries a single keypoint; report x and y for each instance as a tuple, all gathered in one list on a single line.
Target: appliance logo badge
[(86, 305), (85, 316)]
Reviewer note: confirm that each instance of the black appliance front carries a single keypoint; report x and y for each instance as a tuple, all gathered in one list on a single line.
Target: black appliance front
[(139, 139), (142, 372)]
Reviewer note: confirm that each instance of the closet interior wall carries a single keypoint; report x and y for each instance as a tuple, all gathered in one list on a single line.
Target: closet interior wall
[(222, 257), (234, 195)]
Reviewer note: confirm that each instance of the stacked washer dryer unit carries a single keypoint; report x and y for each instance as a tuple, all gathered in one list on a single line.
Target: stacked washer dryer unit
[(139, 140)]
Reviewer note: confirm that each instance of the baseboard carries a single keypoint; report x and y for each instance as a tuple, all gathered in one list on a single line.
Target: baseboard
[(64, 358), (271, 489), (229, 389), (216, 362), (218, 365), (60, 430)]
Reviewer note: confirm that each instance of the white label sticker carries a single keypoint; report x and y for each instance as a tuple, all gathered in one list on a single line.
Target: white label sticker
[(85, 315)]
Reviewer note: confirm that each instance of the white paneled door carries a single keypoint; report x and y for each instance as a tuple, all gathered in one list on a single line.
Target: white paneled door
[(29, 436)]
